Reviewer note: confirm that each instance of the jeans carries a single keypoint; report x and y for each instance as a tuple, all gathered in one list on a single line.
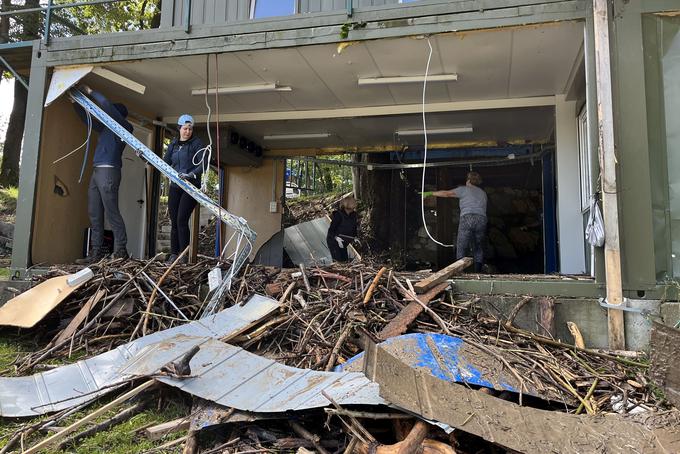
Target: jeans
[(471, 233), (102, 198), (180, 205)]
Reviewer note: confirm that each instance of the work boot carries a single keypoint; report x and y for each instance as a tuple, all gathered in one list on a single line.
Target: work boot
[(121, 253), (478, 267), (95, 256), (170, 258)]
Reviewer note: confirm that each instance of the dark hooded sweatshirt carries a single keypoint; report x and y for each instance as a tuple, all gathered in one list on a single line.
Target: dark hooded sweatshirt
[(109, 146)]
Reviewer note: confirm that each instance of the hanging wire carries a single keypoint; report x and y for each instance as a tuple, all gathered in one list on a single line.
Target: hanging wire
[(207, 150), (85, 144), (422, 189)]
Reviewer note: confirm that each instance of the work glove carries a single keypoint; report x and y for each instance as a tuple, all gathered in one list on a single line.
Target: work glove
[(340, 242), (426, 193)]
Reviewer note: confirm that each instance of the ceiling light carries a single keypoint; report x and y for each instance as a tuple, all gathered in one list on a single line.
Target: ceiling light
[(452, 130), (257, 88), (315, 135), (406, 79)]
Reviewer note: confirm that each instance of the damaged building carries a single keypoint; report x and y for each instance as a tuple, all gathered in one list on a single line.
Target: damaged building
[(560, 106)]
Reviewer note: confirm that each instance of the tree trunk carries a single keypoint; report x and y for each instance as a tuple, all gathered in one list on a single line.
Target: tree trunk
[(4, 22), (9, 173)]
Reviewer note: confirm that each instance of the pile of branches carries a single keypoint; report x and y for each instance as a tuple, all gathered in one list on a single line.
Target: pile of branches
[(327, 316), (125, 300)]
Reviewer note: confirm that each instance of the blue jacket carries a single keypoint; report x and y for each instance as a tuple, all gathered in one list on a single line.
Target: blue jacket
[(181, 157), (109, 146)]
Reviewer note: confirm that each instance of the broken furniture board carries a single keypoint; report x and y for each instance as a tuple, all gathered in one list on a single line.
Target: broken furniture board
[(64, 78), (235, 378), (523, 429), (28, 308), (665, 353), (305, 243), (71, 385)]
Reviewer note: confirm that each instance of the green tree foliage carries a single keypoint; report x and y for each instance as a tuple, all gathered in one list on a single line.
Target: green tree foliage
[(320, 177)]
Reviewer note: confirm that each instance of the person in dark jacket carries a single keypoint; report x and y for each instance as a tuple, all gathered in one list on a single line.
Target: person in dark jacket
[(102, 193), (343, 229), (185, 154)]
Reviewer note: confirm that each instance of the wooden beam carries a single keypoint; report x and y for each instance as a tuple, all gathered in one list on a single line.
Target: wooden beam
[(373, 111), (608, 167), (195, 229), (399, 324), (100, 411), (160, 430), (442, 275)]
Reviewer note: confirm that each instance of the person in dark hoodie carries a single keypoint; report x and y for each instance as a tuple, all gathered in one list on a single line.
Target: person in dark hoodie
[(102, 195), (185, 154), (343, 229)]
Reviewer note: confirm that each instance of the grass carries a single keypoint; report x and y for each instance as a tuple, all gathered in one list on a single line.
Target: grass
[(8, 200), (120, 439)]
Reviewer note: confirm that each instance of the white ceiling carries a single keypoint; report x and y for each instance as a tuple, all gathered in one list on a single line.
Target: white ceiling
[(493, 64)]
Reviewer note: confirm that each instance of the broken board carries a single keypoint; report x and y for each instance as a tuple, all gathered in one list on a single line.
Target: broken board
[(442, 275), (522, 429), (33, 305)]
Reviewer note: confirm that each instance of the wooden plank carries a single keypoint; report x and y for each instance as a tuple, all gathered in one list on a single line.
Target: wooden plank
[(100, 411), (408, 315), (665, 371), (160, 430), (79, 318), (442, 275), (608, 165), (521, 429)]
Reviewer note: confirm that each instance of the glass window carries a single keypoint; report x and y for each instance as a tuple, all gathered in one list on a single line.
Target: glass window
[(271, 8), (662, 72)]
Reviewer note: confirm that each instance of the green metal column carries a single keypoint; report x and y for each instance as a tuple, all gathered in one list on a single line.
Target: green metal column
[(635, 197), (23, 227)]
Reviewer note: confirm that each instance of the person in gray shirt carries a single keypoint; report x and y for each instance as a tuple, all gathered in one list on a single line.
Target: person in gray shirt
[(472, 225)]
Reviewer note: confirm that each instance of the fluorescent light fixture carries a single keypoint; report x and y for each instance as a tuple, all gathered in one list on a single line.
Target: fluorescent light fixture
[(451, 130), (314, 135), (406, 79), (257, 88)]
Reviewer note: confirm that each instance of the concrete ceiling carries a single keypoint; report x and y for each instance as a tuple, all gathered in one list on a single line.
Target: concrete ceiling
[(498, 64)]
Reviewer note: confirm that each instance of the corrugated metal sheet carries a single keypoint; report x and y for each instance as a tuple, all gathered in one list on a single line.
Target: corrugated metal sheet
[(68, 386), (233, 377), (306, 243)]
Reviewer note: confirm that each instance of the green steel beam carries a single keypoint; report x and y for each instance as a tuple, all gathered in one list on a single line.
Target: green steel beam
[(659, 6), (593, 139), (21, 245), (478, 12), (631, 135), (122, 47)]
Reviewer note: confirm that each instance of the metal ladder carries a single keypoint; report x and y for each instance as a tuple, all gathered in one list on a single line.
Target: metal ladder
[(244, 236)]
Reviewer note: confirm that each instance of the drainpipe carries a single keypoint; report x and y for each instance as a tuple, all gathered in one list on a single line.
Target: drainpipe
[(608, 164)]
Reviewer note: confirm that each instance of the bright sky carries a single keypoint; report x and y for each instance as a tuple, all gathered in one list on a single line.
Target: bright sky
[(6, 101)]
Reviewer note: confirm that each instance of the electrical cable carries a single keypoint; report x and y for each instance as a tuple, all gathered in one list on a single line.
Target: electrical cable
[(85, 144), (205, 163), (422, 190)]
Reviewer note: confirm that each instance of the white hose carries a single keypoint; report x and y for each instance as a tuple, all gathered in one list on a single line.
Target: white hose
[(422, 189)]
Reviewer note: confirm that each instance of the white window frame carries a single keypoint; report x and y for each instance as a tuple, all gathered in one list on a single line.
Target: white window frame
[(584, 162), (296, 9)]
